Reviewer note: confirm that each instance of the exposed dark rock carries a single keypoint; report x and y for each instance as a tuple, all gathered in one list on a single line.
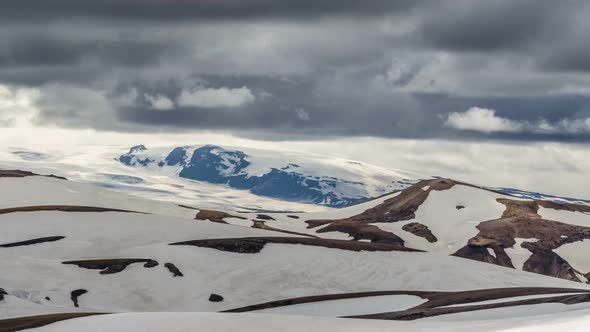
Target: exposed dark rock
[(521, 220), (47, 298), (264, 217), (32, 241), (173, 269), (460, 207), (251, 245), (545, 261), (436, 300), (21, 174), (62, 208), (31, 322), (215, 298), (420, 230), (292, 216), (75, 294), (401, 207), (2, 293), (363, 232), (111, 266)]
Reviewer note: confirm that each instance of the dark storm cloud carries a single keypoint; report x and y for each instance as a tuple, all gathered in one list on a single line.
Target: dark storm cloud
[(195, 9), (301, 68), (489, 25)]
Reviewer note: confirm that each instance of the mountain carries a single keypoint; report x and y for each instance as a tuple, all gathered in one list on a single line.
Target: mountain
[(439, 255), (330, 184)]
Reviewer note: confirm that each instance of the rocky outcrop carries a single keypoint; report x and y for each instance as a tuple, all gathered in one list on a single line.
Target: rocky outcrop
[(32, 241), (76, 294), (398, 208), (521, 220), (420, 230), (174, 270), (111, 266), (252, 245)]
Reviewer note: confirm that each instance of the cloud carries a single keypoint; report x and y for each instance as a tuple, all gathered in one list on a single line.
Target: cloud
[(216, 97), (17, 106), (483, 120), (302, 114), (486, 121), (160, 102)]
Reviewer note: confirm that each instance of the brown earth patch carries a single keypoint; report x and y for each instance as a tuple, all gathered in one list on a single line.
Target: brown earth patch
[(363, 232), (401, 207), (520, 220), (111, 266), (63, 208), (21, 174), (174, 270), (30, 322), (252, 245), (76, 294), (215, 216), (424, 312), (32, 241), (436, 300), (420, 230), (260, 224)]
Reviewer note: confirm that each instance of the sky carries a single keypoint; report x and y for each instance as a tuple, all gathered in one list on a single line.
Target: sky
[(447, 84)]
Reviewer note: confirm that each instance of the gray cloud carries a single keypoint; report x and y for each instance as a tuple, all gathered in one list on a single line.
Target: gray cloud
[(290, 68)]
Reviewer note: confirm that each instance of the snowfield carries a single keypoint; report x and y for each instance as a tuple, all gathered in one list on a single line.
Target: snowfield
[(74, 261)]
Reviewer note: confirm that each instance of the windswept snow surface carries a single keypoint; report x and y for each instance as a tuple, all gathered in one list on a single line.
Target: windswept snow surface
[(574, 321)]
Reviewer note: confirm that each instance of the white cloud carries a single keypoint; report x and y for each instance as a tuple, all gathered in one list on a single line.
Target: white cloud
[(216, 98), (17, 106), (160, 102), (302, 114), (483, 120)]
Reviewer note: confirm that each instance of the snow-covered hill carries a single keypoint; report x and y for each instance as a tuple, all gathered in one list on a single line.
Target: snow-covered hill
[(325, 181), (439, 253)]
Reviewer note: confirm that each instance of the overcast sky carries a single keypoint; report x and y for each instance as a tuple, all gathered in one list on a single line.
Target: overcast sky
[(513, 70), (501, 72)]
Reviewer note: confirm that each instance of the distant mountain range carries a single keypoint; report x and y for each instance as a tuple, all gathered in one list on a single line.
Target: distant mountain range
[(278, 179)]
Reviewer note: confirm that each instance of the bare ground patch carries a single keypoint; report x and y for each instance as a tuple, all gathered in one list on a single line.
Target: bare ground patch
[(252, 245), (63, 208), (32, 241), (111, 266)]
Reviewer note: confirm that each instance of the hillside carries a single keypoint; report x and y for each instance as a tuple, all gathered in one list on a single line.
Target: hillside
[(438, 252)]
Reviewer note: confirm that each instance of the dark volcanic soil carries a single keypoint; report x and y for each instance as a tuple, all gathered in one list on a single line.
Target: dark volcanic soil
[(25, 323), (110, 266), (21, 174), (438, 302), (173, 269), (76, 294), (252, 245), (32, 241), (62, 208)]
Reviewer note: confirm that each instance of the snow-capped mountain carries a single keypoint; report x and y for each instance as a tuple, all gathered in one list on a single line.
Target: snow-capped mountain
[(317, 181)]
